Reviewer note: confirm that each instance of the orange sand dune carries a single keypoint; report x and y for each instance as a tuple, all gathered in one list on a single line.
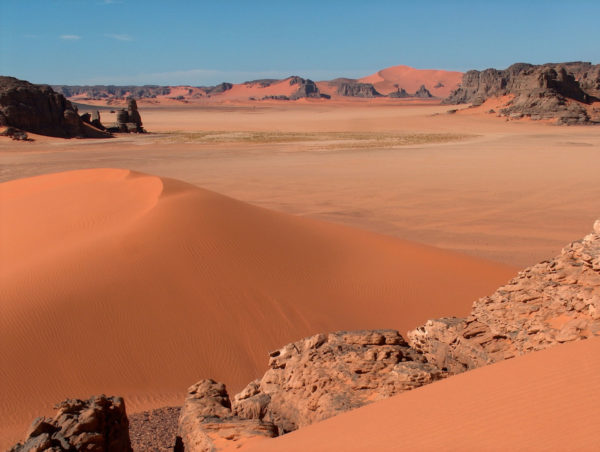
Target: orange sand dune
[(547, 400), (411, 79), (123, 283)]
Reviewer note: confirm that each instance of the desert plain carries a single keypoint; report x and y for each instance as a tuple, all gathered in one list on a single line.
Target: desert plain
[(140, 264)]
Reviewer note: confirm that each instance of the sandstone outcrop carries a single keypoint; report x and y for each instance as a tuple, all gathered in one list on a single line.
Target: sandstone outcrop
[(399, 93), (423, 93), (98, 424), (551, 91), (129, 121), (549, 303), (327, 374), (352, 88), (207, 423), (38, 109)]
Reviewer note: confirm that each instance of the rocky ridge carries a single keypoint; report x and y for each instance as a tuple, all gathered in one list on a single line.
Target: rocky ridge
[(561, 91), (99, 424), (552, 302)]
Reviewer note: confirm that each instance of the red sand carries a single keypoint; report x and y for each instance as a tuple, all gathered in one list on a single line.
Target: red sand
[(411, 79), (546, 401), (121, 283)]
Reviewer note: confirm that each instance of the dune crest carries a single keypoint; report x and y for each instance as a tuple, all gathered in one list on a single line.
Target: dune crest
[(121, 283), (439, 82)]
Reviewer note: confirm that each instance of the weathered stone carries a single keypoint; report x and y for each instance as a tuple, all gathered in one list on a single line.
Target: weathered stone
[(327, 374), (98, 424), (549, 91), (423, 93), (206, 422), (549, 303), (38, 109)]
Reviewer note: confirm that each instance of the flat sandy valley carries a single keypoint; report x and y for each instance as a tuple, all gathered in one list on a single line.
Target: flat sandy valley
[(510, 191), (424, 213)]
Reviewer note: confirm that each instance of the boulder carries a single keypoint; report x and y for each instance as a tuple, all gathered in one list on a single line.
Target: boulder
[(552, 302), (98, 424), (207, 423), (327, 374)]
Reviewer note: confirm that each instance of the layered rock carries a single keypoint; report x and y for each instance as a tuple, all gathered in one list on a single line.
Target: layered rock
[(98, 424), (129, 121), (558, 91), (38, 109), (555, 301), (207, 422), (327, 374)]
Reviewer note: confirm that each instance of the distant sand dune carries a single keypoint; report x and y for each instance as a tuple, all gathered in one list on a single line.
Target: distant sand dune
[(121, 283), (440, 83), (546, 401)]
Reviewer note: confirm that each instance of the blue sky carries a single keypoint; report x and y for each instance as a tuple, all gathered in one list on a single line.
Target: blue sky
[(206, 42)]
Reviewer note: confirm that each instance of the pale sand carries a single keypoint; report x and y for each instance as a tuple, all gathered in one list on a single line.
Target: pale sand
[(411, 79), (127, 284), (544, 401), (516, 192)]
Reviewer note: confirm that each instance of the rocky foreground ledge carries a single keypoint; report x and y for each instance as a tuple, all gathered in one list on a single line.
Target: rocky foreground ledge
[(318, 377)]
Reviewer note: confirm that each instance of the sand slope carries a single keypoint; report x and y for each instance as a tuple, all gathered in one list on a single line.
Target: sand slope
[(542, 401), (411, 79), (122, 283)]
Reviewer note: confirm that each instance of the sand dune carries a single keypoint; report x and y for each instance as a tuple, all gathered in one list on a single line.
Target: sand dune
[(542, 401), (438, 82), (118, 282)]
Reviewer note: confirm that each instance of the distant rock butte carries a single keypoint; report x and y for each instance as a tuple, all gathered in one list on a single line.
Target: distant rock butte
[(98, 424), (560, 91)]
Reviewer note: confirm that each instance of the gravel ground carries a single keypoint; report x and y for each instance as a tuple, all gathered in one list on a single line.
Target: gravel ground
[(154, 431)]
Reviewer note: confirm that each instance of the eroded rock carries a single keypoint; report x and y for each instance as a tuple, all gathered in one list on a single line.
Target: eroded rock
[(207, 422), (549, 303), (98, 424), (327, 374)]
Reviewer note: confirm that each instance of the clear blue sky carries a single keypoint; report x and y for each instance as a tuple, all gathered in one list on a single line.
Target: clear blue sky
[(206, 42)]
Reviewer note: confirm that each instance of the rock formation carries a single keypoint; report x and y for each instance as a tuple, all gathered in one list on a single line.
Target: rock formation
[(423, 93), (38, 109), (98, 424), (306, 88), (207, 422), (399, 93), (550, 91), (352, 88), (129, 121), (549, 303), (327, 374), (220, 88)]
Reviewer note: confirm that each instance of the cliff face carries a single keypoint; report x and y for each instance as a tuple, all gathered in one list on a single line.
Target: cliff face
[(38, 109), (554, 90)]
